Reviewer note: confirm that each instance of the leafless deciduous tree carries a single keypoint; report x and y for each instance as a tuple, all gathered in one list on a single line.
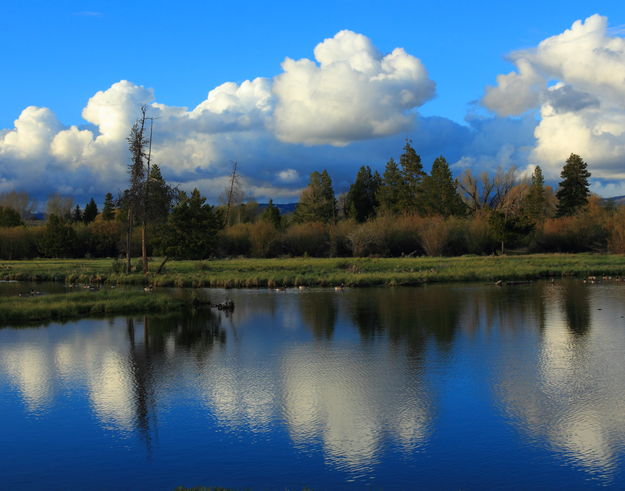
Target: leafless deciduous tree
[(486, 191), (20, 202)]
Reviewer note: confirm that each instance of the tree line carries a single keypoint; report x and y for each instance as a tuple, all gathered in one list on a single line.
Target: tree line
[(403, 211)]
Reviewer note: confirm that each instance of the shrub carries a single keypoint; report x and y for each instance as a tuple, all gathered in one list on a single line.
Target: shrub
[(58, 240), (584, 231), (478, 235), (235, 240), (433, 232), (311, 238), (263, 239), (368, 239), (402, 235), (616, 239), (19, 242)]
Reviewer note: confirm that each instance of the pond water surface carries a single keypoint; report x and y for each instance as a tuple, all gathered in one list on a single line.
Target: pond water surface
[(437, 387)]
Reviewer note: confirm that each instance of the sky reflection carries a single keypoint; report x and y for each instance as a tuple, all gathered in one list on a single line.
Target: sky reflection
[(365, 379)]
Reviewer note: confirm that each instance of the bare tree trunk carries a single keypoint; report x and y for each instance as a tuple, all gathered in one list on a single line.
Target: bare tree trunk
[(232, 181), (144, 249), (162, 265), (129, 241)]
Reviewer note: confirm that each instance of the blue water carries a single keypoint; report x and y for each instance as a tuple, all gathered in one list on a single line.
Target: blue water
[(438, 387)]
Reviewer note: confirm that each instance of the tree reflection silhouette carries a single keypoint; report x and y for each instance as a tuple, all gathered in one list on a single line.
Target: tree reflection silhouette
[(319, 312), (576, 305), (410, 315), (197, 332)]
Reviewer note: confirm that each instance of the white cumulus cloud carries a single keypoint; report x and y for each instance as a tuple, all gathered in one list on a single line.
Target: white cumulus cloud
[(351, 93), (583, 112)]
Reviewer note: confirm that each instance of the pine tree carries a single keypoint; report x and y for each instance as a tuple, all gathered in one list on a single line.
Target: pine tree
[(191, 229), (317, 202), (271, 214), (77, 214), (160, 196), (328, 205), (412, 173), (439, 191), (361, 201), (91, 211), (108, 212), (535, 200), (391, 190), (573, 192)]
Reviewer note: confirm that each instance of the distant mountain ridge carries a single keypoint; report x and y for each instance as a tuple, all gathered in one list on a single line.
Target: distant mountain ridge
[(614, 200), (283, 207)]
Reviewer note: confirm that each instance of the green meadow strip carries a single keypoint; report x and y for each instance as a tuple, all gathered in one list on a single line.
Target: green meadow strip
[(64, 306), (273, 273)]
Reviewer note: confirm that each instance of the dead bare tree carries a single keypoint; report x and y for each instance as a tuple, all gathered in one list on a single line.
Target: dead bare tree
[(233, 193), (133, 196), (146, 197)]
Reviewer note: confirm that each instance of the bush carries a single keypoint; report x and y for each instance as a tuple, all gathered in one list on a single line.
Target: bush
[(19, 242), (616, 239), (402, 235), (582, 232), (478, 235), (58, 240), (263, 239), (311, 239), (434, 232), (235, 240), (104, 238)]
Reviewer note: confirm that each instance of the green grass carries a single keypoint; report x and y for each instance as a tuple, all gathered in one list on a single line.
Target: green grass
[(65, 306), (241, 273)]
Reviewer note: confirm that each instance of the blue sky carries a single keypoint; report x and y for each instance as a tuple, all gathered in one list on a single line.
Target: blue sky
[(59, 55)]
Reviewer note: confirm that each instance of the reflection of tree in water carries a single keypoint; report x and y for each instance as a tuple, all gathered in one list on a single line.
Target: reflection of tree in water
[(197, 332), (319, 313), (410, 315), (576, 305), (506, 308)]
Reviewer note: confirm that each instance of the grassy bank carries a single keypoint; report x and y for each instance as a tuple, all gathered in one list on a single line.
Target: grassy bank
[(65, 306), (240, 273)]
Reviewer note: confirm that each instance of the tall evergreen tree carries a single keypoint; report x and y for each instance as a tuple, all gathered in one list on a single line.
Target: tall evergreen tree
[(77, 214), (134, 196), (573, 192), (412, 173), (317, 202), (361, 201), (271, 214), (439, 191), (160, 196), (535, 201), (108, 212), (191, 229), (91, 211), (391, 190), (328, 210)]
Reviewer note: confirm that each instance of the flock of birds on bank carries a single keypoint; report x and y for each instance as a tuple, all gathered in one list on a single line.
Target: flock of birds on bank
[(229, 306)]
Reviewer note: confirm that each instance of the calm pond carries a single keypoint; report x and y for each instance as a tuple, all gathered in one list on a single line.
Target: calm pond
[(437, 387)]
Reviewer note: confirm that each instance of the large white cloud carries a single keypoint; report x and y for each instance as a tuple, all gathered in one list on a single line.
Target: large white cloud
[(352, 93), (584, 111)]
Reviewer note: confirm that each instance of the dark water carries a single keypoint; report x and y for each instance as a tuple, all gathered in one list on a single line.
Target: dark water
[(441, 387)]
